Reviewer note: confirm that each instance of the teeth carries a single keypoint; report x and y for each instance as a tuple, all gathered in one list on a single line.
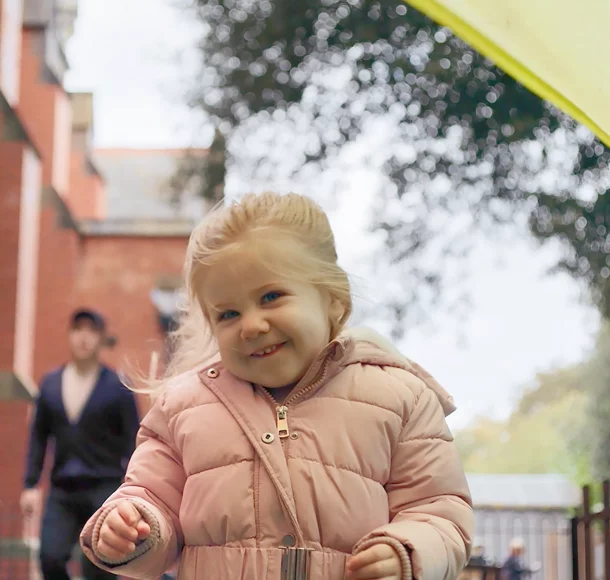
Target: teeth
[(266, 351)]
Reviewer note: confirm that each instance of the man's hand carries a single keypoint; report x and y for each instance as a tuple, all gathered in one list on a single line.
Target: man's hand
[(122, 528), (379, 562), (30, 502)]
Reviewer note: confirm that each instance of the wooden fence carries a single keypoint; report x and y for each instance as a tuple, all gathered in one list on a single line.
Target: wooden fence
[(591, 538)]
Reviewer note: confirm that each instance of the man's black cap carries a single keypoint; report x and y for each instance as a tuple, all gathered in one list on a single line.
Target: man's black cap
[(96, 319)]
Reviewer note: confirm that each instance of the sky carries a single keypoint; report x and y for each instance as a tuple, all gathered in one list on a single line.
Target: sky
[(132, 54)]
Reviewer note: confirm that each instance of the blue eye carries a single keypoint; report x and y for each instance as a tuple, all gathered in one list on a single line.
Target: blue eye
[(228, 315), (270, 297)]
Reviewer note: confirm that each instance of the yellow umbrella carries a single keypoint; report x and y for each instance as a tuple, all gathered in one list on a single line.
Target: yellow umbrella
[(558, 49)]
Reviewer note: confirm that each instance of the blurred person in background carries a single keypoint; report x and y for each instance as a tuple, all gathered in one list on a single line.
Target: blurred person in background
[(514, 567), (478, 555), (92, 420)]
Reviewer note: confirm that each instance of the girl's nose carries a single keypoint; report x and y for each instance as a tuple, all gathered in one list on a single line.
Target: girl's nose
[(253, 324)]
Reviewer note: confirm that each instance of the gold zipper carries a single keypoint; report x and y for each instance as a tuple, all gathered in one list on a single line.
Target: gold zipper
[(281, 411), (282, 421), (292, 398)]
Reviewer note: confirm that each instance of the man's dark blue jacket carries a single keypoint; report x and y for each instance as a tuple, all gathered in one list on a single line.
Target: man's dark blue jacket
[(95, 448)]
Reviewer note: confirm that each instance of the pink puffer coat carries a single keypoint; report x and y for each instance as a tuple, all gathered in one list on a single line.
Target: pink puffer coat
[(359, 453)]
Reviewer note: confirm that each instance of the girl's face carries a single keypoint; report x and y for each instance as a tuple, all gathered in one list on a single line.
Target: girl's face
[(269, 330)]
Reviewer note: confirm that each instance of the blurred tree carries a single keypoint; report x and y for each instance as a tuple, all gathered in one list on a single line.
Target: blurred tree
[(551, 387), (545, 433), (560, 424), (597, 381), (469, 147)]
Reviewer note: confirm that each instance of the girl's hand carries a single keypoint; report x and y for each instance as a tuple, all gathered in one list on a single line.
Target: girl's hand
[(122, 528), (379, 562)]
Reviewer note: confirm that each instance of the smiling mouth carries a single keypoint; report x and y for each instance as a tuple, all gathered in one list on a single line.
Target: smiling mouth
[(268, 351)]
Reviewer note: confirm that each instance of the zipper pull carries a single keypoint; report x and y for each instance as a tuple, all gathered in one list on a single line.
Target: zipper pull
[(282, 422)]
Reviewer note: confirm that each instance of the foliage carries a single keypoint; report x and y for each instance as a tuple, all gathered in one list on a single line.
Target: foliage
[(467, 146), (561, 424)]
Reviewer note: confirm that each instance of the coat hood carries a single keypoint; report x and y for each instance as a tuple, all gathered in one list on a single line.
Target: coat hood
[(368, 346)]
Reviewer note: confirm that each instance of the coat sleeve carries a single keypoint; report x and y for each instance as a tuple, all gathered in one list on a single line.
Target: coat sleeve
[(40, 430), (154, 483), (430, 508), (130, 419)]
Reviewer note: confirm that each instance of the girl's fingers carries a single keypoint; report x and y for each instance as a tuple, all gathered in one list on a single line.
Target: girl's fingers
[(383, 570), (379, 562), (121, 528), (113, 541), (371, 555), (108, 551), (143, 530), (129, 513)]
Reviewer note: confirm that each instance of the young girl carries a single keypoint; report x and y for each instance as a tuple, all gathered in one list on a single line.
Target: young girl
[(301, 451)]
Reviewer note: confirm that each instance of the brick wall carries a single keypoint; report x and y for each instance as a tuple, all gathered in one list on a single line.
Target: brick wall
[(47, 267), (13, 428), (27, 265), (18, 246), (59, 259), (61, 269), (44, 108), (43, 290), (11, 158), (117, 276), (111, 274), (11, 13), (86, 191)]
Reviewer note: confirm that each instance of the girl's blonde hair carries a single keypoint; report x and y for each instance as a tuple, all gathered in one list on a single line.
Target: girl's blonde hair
[(304, 249)]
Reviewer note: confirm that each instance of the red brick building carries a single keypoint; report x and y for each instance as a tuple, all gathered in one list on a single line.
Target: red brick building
[(79, 227)]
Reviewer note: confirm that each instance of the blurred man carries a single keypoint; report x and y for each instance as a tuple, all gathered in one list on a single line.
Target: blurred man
[(477, 557), (514, 568), (92, 419)]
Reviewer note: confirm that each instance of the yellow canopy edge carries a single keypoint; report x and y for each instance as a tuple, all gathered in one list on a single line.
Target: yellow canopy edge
[(557, 49)]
